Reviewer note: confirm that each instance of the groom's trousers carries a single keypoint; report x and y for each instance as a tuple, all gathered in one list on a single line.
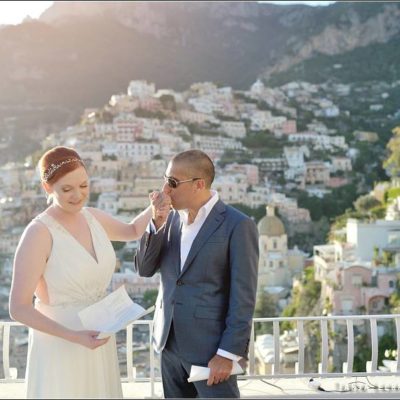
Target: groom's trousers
[(175, 372)]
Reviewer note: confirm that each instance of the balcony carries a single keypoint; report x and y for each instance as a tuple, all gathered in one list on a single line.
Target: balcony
[(277, 381)]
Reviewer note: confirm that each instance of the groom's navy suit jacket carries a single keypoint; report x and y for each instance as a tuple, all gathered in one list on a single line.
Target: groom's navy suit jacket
[(211, 301)]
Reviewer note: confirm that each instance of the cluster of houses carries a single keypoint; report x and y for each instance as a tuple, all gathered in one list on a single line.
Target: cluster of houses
[(126, 146)]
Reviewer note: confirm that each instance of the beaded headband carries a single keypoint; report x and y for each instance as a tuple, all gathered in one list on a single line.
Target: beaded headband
[(54, 167)]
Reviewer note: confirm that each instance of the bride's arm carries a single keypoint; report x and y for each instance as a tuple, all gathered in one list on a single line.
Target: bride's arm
[(29, 265), (124, 232)]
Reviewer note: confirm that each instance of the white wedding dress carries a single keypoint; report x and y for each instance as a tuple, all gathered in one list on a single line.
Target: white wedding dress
[(57, 368)]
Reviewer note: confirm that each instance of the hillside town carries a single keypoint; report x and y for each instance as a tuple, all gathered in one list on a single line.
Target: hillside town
[(262, 152)]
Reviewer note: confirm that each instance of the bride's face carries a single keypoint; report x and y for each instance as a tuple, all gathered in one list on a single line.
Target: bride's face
[(71, 191)]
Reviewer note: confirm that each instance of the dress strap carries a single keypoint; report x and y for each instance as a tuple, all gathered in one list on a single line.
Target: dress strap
[(46, 219), (88, 215)]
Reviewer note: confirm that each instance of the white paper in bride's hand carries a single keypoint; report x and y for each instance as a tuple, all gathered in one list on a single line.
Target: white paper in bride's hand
[(201, 373), (112, 313)]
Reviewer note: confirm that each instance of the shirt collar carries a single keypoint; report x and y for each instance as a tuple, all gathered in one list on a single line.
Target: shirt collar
[(204, 209)]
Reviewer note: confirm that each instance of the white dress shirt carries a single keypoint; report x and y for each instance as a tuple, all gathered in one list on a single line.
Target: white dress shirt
[(189, 232)]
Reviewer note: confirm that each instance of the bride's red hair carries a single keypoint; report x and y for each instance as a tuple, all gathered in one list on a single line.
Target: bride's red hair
[(57, 162)]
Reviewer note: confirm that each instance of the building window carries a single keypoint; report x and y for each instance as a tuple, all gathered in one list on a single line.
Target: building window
[(356, 280), (271, 264), (391, 284), (275, 244), (347, 305)]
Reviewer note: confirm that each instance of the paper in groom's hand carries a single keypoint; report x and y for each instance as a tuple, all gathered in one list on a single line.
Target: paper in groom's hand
[(112, 313), (198, 373)]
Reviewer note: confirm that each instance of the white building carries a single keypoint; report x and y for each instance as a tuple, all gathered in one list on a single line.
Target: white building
[(141, 89), (215, 146), (341, 164), (234, 129), (231, 188), (138, 151), (108, 202), (382, 234)]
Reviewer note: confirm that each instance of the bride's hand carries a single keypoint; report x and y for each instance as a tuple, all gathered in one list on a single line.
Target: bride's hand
[(89, 339)]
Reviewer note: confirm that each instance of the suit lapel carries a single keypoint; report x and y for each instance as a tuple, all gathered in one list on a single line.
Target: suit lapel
[(212, 222), (176, 242)]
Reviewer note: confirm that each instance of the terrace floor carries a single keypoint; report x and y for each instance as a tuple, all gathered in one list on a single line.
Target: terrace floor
[(296, 388)]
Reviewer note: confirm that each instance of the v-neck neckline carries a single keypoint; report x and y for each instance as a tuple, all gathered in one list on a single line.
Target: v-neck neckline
[(94, 258)]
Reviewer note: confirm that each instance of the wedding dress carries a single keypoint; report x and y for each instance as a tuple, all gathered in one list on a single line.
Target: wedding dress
[(58, 368)]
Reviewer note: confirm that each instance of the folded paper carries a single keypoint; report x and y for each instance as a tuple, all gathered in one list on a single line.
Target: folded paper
[(198, 373), (112, 313)]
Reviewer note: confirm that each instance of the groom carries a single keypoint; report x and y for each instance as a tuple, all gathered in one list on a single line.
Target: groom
[(207, 254)]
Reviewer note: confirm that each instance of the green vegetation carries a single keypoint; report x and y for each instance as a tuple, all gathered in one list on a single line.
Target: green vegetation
[(205, 129), (118, 245), (366, 203), (331, 205), (392, 163), (317, 234), (168, 102), (94, 197), (235, 156), (149, 298), (265, 308), (394, 299), (392, 193), (264, 143), (305, 298), (379, 62), (255, 213), (306, 302), (362, 352), (142, 113)]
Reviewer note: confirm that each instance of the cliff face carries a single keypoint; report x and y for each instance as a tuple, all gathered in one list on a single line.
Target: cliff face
[(348, 33)]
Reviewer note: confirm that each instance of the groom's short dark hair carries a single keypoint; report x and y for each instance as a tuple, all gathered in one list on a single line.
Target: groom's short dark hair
[(198, 163)]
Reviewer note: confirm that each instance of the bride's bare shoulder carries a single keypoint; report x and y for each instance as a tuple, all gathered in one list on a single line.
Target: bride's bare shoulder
[(37, 231)]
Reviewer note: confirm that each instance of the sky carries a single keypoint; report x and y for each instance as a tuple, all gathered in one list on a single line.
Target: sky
[(14, 12)]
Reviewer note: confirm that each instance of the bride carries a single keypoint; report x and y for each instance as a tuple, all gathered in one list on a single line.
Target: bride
[(66, 260)]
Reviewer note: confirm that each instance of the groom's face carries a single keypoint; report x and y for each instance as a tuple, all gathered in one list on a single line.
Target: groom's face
[(183, 194)]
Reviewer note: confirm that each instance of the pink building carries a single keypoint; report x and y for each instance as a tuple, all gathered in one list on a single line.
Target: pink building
[(336, 181), (362, 289), (289, 127), (150, 104), (251, 171)]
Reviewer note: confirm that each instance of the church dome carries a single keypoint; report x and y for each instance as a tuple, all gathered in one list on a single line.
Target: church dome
[(271, 225)]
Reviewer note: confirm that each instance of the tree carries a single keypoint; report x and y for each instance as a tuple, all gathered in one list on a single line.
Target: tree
[(387, 343), (149, 298), (265, 308), (118, 245), (168, 102), (366, 203), (392, 163), (394, 299), (362, 352), (305, 298), (104, 116)]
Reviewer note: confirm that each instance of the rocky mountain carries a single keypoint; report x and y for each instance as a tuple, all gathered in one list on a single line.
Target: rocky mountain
[(79, 53)]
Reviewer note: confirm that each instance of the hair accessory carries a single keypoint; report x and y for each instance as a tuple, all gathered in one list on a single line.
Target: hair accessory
[(54, 167)]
